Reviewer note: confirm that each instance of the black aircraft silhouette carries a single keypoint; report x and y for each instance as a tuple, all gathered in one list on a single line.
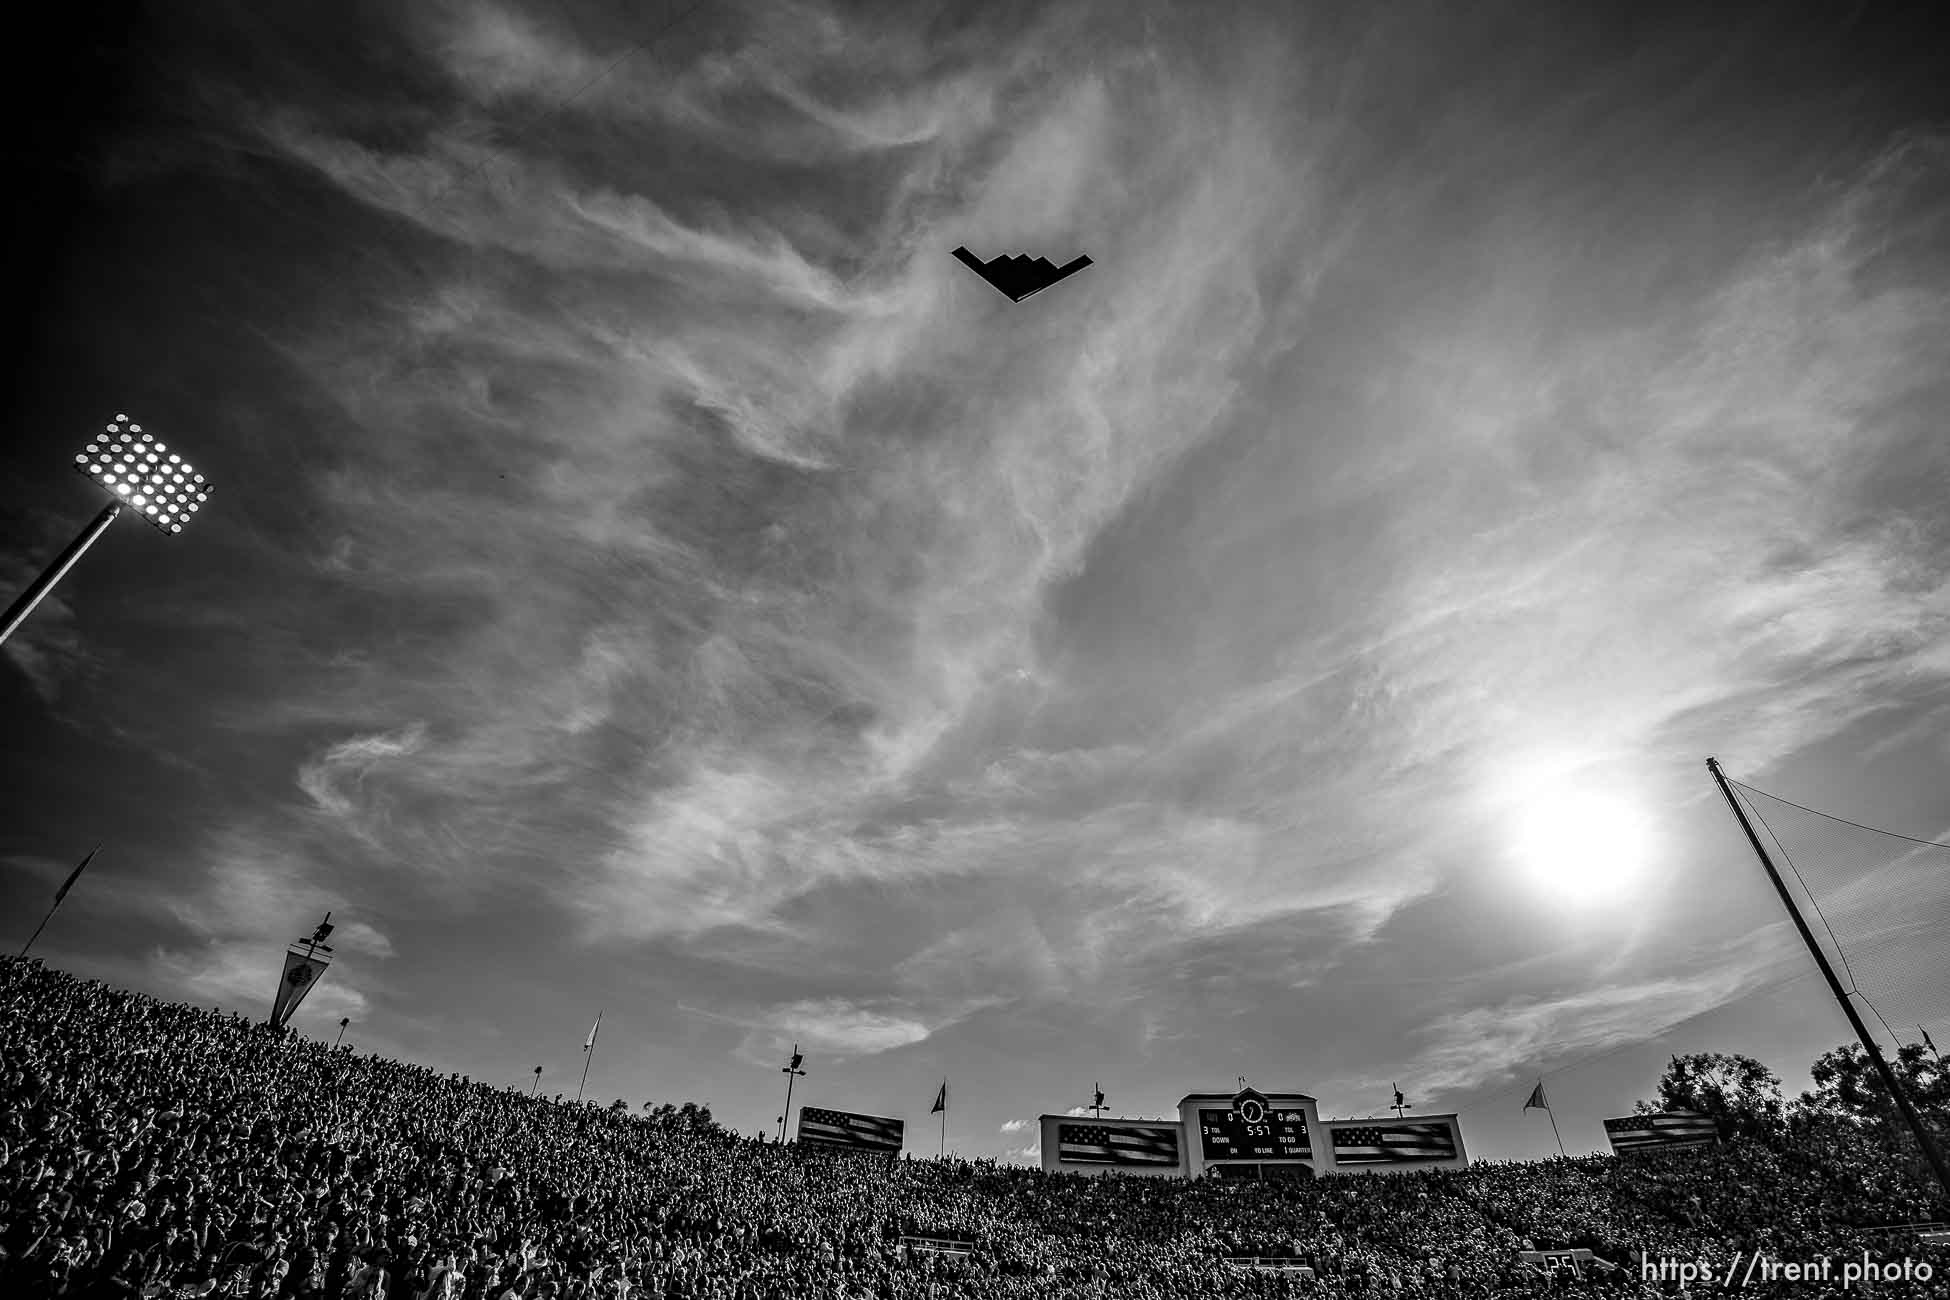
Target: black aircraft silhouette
[(1019, 276)]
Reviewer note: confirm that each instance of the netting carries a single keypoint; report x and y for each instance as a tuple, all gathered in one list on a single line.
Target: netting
[(1880, 906)]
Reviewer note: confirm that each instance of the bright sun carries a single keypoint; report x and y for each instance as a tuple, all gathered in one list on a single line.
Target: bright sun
[(1582, 848)]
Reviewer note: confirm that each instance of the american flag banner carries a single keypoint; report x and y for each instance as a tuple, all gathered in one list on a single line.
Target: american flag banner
[(838, 1128), (1394, 1143), (1667, 1130), (1103, 1144)]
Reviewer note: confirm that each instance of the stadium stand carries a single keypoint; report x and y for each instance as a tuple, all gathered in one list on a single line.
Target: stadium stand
[(156, 1149)]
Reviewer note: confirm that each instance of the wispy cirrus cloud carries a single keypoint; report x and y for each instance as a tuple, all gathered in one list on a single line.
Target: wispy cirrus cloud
[(489, 198), (325, 778), (253, 886), (1489, 1044), (832, 1028), (780, 90)]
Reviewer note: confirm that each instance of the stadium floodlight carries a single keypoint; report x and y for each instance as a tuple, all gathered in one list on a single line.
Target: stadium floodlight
[(792, 1073), (141, 473)]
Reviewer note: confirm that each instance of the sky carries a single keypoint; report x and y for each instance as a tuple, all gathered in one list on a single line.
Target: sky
[(646, 573)]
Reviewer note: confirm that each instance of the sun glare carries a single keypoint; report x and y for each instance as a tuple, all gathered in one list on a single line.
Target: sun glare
[(1582, 848)]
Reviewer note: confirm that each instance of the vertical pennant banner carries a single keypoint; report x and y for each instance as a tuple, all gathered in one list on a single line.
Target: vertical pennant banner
[(301, 971), (75, 875)]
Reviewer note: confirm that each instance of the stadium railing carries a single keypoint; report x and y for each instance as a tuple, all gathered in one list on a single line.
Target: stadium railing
[(1273, 1263), (1933, 1233)]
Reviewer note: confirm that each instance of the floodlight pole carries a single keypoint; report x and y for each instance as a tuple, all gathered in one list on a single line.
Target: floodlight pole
[(17, 612), (42, 926), (588, 1055), (1923, 1138), (792, 1074), (1552, 1116), (55, 907)]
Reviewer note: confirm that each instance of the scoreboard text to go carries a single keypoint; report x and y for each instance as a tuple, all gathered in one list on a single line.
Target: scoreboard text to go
[(1281, 1135)]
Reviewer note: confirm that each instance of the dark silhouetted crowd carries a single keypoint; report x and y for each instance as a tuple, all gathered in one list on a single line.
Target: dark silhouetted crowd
[(155, 1149)]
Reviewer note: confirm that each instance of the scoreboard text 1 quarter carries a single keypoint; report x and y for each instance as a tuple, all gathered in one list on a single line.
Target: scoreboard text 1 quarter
[(1253, 1132)]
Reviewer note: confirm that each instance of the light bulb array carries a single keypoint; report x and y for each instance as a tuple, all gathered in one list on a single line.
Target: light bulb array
[(156, 482)]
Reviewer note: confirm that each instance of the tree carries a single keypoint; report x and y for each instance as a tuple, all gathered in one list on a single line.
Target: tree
[(1738, 1091), (1848, 1085), (688, 1118), (619, 1106)]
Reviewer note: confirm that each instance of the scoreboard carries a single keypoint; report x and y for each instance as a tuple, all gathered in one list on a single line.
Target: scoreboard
[(1249, 1135), (1253, 1131)]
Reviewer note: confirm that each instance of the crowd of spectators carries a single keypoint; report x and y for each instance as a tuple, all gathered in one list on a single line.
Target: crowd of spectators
[(156, 1149)]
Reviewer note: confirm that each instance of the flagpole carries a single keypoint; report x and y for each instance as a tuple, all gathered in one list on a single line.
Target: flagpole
[(1901, 1095), (589, 1053), (792, 1074), (1540, 1099), (59, 894), (42, 926)]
